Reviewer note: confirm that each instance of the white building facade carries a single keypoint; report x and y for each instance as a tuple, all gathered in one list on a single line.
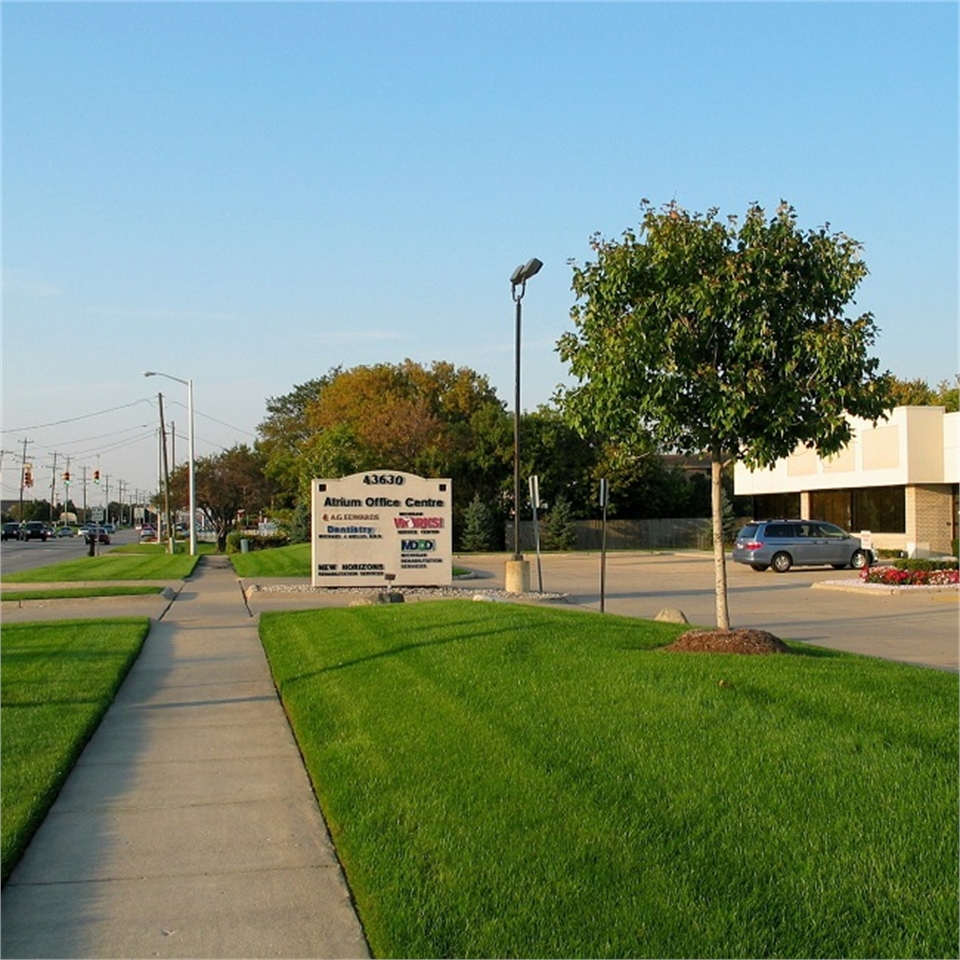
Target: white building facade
[(897, 479)]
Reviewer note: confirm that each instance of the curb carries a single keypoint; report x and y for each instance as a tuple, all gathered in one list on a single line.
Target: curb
[(852, 586)]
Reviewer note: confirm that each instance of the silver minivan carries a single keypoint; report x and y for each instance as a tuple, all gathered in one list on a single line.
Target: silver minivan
[(782, 544)]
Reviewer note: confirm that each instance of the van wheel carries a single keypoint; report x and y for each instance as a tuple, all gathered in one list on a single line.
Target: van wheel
[(781, 562), (859, 560), (759, 567)]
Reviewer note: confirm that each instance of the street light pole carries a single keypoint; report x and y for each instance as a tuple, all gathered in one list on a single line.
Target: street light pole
[(191, 472), (518, 286), (191, 467)]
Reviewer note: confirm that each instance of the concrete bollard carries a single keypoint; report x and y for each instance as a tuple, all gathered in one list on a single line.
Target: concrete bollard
[(517, 576)]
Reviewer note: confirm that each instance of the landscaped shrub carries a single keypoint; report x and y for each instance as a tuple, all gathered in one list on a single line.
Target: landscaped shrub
[(925, 564), (255, 541), (559, 530), (886, 554), (479, 527), (298, 528)]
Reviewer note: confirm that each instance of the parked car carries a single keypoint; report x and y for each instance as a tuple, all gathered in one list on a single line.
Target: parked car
[(98, 534), (147, 533), (11, 531), (782, 544), (34, 530)]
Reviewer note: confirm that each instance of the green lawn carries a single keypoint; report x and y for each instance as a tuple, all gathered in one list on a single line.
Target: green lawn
[(73, 593), (56, 681), (111, 565), (179, 546), (504, 780), (289, 561)]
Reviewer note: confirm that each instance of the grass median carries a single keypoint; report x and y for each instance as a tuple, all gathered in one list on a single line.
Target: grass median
[(57, 679), (117, 564), (290, 561), (78, 593), (504, 780)]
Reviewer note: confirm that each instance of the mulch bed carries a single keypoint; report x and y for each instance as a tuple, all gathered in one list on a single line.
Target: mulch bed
[(727, 641)]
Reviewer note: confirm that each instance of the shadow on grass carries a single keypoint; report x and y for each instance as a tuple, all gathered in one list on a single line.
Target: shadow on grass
[(395, 652)]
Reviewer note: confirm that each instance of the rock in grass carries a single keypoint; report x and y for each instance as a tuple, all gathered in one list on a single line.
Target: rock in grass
[(671, 615), (385, 596)]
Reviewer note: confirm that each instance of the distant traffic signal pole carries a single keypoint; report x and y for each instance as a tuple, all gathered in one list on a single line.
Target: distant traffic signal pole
[(191, 472)]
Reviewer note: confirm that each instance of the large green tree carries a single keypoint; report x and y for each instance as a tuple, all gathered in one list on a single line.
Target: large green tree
[(284, 431), (437, 420), (229, 485), (919, 393), (725, 337)]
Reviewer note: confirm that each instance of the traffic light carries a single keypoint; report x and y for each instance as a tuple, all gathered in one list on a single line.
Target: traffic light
[(28, 477), (66, 478), (96, 476)]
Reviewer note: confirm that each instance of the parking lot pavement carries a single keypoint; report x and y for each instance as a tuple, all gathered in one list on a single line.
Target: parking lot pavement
[(921, 628)]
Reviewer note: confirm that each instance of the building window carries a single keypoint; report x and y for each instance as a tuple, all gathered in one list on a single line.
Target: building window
[(877, 509), (776, 506), (833, 506), (880, 509)]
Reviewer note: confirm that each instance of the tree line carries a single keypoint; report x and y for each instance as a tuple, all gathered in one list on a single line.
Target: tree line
[(431, 420), (438, 420)]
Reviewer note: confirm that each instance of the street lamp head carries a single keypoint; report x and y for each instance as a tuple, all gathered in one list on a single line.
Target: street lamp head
[(149, 373), (531, 268), (525, 271), (521, 275)]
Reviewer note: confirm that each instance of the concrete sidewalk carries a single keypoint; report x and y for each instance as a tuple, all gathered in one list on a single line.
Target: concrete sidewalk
[(188, 827)]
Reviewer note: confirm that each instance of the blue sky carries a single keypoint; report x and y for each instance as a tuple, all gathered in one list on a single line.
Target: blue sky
[(252, 194)]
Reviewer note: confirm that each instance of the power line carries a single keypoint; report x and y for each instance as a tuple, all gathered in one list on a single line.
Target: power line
[(111, 447), (206, 416), (223, 423), (114, 433), (125, 406), (86, 416)]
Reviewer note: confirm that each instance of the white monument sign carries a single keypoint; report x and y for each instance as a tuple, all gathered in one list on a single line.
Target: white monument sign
[(380, 528)]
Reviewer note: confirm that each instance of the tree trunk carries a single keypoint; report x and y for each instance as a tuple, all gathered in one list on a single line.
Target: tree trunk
[(719, 560)]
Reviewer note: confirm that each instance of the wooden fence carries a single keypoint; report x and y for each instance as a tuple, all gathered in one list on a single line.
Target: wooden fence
[(661, 534)]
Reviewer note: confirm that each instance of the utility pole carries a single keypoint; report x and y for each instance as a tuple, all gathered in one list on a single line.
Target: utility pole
[(23, 470), (166, 474), (53, 485), (66, 488)]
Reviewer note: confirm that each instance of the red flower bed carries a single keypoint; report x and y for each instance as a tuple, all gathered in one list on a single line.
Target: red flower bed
[(910, 578)]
